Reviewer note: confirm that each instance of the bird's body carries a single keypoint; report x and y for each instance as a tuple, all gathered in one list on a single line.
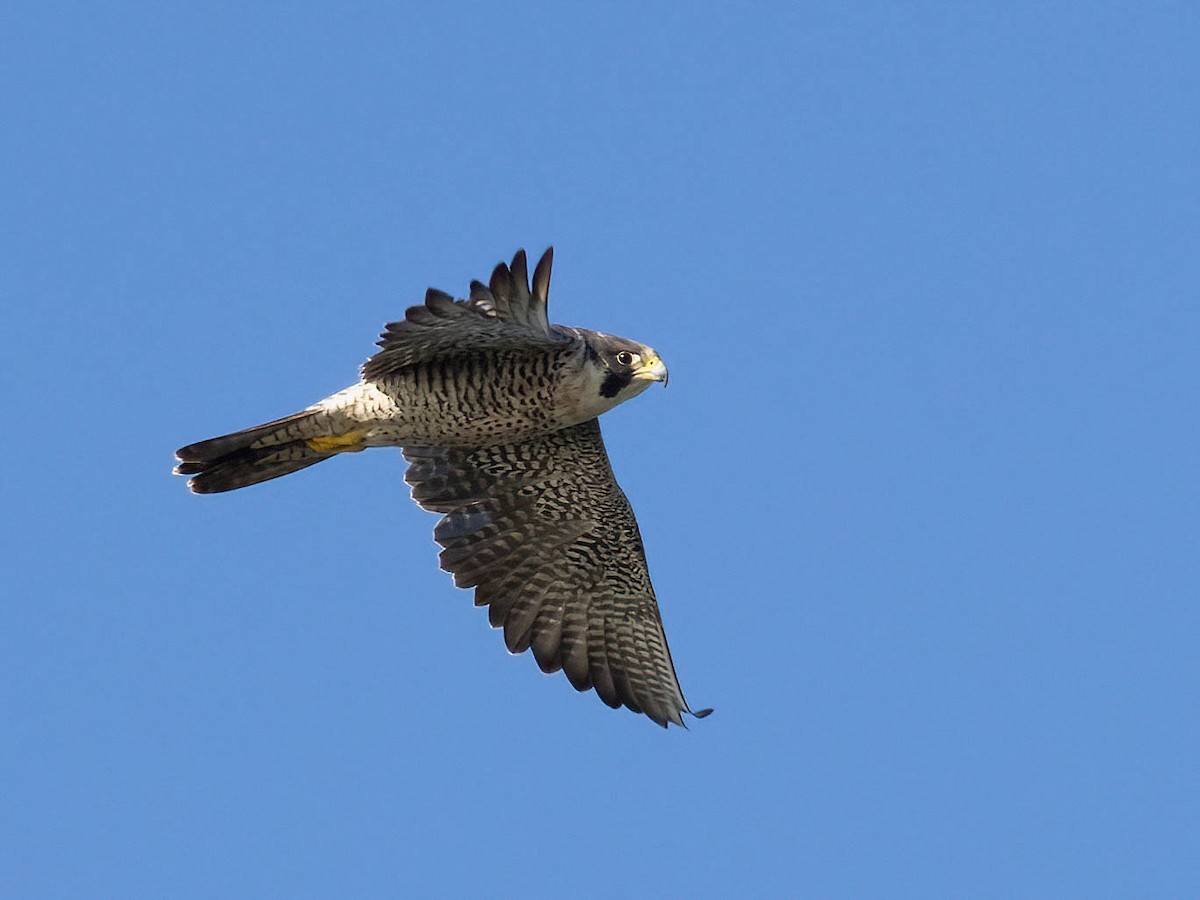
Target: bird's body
[(496, 410), (476, 398)]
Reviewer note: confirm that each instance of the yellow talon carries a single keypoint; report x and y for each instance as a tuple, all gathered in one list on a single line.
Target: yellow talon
[(350, 442)]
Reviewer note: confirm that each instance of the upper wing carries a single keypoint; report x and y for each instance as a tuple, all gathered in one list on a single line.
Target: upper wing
[(503, 315), (545, 535)]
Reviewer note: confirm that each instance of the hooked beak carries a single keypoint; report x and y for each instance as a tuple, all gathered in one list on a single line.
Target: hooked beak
[(651, 370)]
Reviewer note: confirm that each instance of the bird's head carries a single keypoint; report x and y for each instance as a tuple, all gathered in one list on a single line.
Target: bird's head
[(612, 370), (628, 367)]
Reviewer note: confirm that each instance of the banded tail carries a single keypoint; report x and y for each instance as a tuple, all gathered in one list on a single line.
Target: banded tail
[(264, 452)]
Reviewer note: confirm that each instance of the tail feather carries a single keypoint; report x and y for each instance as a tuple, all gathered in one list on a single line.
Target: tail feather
[(254, 455)]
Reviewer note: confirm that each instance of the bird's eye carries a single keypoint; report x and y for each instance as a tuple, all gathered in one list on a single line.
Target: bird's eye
[(626, 358)]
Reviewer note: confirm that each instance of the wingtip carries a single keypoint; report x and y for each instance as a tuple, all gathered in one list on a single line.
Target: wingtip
[(541, 276), (520, 272), (501, 282)]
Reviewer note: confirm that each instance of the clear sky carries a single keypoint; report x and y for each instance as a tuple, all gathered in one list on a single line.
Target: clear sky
[(920, 502)]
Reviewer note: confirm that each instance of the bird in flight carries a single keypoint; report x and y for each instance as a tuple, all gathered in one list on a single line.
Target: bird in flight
[(495, 410)]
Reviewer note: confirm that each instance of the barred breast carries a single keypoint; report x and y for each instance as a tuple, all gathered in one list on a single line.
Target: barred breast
[(460, 400)]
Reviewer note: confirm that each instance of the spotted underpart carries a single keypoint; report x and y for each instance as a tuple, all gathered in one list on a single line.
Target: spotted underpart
[(496, 410)]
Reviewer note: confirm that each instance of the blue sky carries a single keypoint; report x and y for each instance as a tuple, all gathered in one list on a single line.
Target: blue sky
[(920, 502)]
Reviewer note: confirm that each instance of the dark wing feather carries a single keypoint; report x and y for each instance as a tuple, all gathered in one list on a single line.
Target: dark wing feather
[(545, 535), (503, 316)]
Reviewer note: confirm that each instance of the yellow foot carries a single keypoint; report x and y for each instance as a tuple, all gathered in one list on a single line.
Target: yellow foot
[(350, 442)]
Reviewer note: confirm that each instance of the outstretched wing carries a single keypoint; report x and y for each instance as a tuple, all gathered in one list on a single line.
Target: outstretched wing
[(502, 315), (545, 535)]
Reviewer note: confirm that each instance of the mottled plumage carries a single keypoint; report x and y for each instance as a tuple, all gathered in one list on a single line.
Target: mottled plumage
[(495, 409)]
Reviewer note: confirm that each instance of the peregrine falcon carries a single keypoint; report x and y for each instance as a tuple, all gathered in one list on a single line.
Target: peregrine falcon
[(495, 410)]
